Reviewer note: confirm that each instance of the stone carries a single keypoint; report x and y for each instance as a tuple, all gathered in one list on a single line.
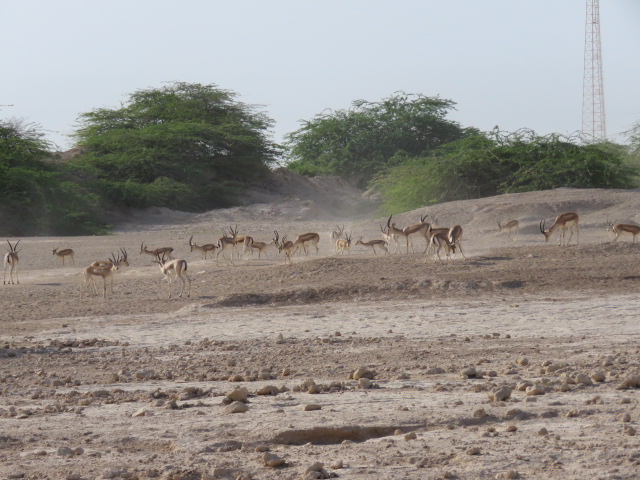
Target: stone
[(236, 407), (272, 460), (239, 394), (500, 395)]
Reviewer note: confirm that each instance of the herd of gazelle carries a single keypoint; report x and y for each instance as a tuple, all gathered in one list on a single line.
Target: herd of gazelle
[(173, 269)]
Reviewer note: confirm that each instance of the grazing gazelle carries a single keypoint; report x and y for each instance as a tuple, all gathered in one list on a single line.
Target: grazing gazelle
[(203, 249), (156, 251), (440, 240), (563, 221), (619, 228), (372, 244), (61, 254), (11, 260), (174, 268), (455, 239), (510, 227)]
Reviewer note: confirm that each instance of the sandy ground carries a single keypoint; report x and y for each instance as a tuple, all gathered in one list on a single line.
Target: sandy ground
[(519, 361)]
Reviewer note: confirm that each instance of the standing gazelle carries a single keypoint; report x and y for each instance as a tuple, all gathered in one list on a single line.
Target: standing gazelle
[(174, 268), (203, 249), (510, 227), (11, 262), (102, 268), (563, 221), (61, 254), (620, 228), (344, 244)]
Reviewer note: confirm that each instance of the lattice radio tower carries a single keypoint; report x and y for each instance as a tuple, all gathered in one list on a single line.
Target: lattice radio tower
[(593, 115)]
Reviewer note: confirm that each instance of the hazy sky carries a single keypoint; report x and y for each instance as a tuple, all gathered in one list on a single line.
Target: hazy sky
[(510, 63)]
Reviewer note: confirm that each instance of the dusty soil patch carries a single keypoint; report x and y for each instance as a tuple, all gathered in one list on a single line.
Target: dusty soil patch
[(135, 386)]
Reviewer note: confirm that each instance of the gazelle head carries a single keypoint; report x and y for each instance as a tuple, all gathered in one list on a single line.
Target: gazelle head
[(609, 225), (123, 258), (423, 218), (55, 250), (348, 238), (13, 248), (546, 233)]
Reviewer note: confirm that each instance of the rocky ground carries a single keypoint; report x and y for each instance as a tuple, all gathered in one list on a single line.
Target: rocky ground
[(519, 361)]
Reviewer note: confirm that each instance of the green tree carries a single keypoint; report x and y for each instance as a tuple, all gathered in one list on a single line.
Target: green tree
[(365, 139), (185, 146), (38, 196), (482, 165)]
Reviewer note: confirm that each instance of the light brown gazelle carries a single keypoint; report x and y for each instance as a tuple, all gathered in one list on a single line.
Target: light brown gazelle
[(335, 235), (372, 244), (621, 228), (440, 240), (303, 239), (455, 239), (284, 246), (61, 254), (156, 251), (101, 268), (227, 242), (204, 250), (245, 240), (563, 221), (393, 230), (431, 231), (510, 227), (344, 244), (417, 228), (389, 238), (174, 268), (261, 247), (11, 260)]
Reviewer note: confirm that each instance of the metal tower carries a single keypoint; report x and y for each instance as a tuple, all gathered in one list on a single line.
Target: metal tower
[(593, 115)]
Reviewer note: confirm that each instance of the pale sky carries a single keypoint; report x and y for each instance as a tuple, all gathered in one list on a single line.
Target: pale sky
[(510, 63)]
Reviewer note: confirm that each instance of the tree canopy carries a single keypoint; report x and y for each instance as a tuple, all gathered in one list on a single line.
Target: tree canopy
[(491, 164), (39, 196), (184, 146), (363, 140)]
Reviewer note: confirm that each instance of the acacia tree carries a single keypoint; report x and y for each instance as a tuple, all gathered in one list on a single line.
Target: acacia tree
[(363, 140), (38, 197), (482, 165), (187, 146)]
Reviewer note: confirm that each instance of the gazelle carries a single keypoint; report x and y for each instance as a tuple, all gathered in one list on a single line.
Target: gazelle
[(227, 242), (431, 231), (303, 239), (335, 235), (372, 244), (157, 251), (563, 221), (67, 252), (11, 260), (455, 239), (284, 246), (104, 269), (122, 260), (417, 228), (245, 240), (620, 228), (440, 240), (343, 244), (389, 238), (393, 230), (174, 268), (510, 227), (94, 270), (261, 247), (202, 249)]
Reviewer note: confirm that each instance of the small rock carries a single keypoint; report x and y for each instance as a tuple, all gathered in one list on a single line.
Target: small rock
[(629, 430), (65, 452), (626, 418), (140, 413), (310, 407), (473, 451), (543, 431), (410, 436), (240, 394), (363, 372), (500, 395), (236, 407), (272, 460), (364, 383)]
